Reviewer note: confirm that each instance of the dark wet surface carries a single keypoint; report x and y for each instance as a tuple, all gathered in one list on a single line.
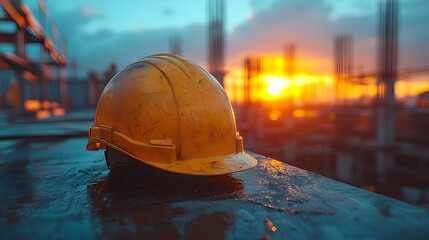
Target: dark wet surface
[(57, 189)]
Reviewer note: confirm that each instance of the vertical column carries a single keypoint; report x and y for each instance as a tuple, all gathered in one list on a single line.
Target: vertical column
[(344, 121), (216, 16), (247, 80), (343, 67), (175, 45), (20, 51), (43, 81), (387, 63), (63, 78), (290, 59)]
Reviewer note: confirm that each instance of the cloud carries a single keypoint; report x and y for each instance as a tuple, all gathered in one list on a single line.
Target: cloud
[(71, 23), (258, 4), (414, 33), (310, 26), (168, 12), (87, 13), (98, 49), (306, 23)]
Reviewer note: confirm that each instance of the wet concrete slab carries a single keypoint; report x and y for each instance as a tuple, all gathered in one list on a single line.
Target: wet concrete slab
[(72, 124), (56, 189)]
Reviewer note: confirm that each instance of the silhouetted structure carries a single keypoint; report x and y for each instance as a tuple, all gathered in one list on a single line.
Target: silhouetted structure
[(290, 67), (252, 70), (387, 64), (343, 67), (176, 45), (216, 18), (28, 31), (343, 71)]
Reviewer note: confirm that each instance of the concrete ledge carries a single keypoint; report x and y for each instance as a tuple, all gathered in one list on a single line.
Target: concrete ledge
[(56, 189)]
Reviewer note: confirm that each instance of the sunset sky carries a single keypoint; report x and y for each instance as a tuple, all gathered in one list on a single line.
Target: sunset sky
[(101, 31)]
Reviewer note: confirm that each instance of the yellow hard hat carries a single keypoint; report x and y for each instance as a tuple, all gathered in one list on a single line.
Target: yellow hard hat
[(171, 114)]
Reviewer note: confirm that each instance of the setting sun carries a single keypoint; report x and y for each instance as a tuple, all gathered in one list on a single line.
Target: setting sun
[(274, 89), (275, 86), (272, 86)]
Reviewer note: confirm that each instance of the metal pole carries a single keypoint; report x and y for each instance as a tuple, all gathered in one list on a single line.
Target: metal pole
[(20, 51), (63, 80), (216, 33), (388, 30)]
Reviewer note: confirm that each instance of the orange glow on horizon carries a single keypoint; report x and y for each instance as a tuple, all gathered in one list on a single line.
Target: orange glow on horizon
[(43, 114), (300, 113), (276, 87), (42, 108), (46, 104), (273, 85), (58, 111), (274, 115), (32, 105)]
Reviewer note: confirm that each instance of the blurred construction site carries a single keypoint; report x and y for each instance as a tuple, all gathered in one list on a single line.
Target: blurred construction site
[(365, 127)]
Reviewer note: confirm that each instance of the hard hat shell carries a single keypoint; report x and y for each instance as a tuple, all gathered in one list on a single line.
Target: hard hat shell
[(171, 114)]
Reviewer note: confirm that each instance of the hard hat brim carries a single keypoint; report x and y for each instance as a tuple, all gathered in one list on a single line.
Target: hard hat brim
[(206, 166), (209, 166)]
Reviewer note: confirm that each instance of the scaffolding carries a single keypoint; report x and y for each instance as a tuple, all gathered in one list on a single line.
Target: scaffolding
[(29, 31)]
